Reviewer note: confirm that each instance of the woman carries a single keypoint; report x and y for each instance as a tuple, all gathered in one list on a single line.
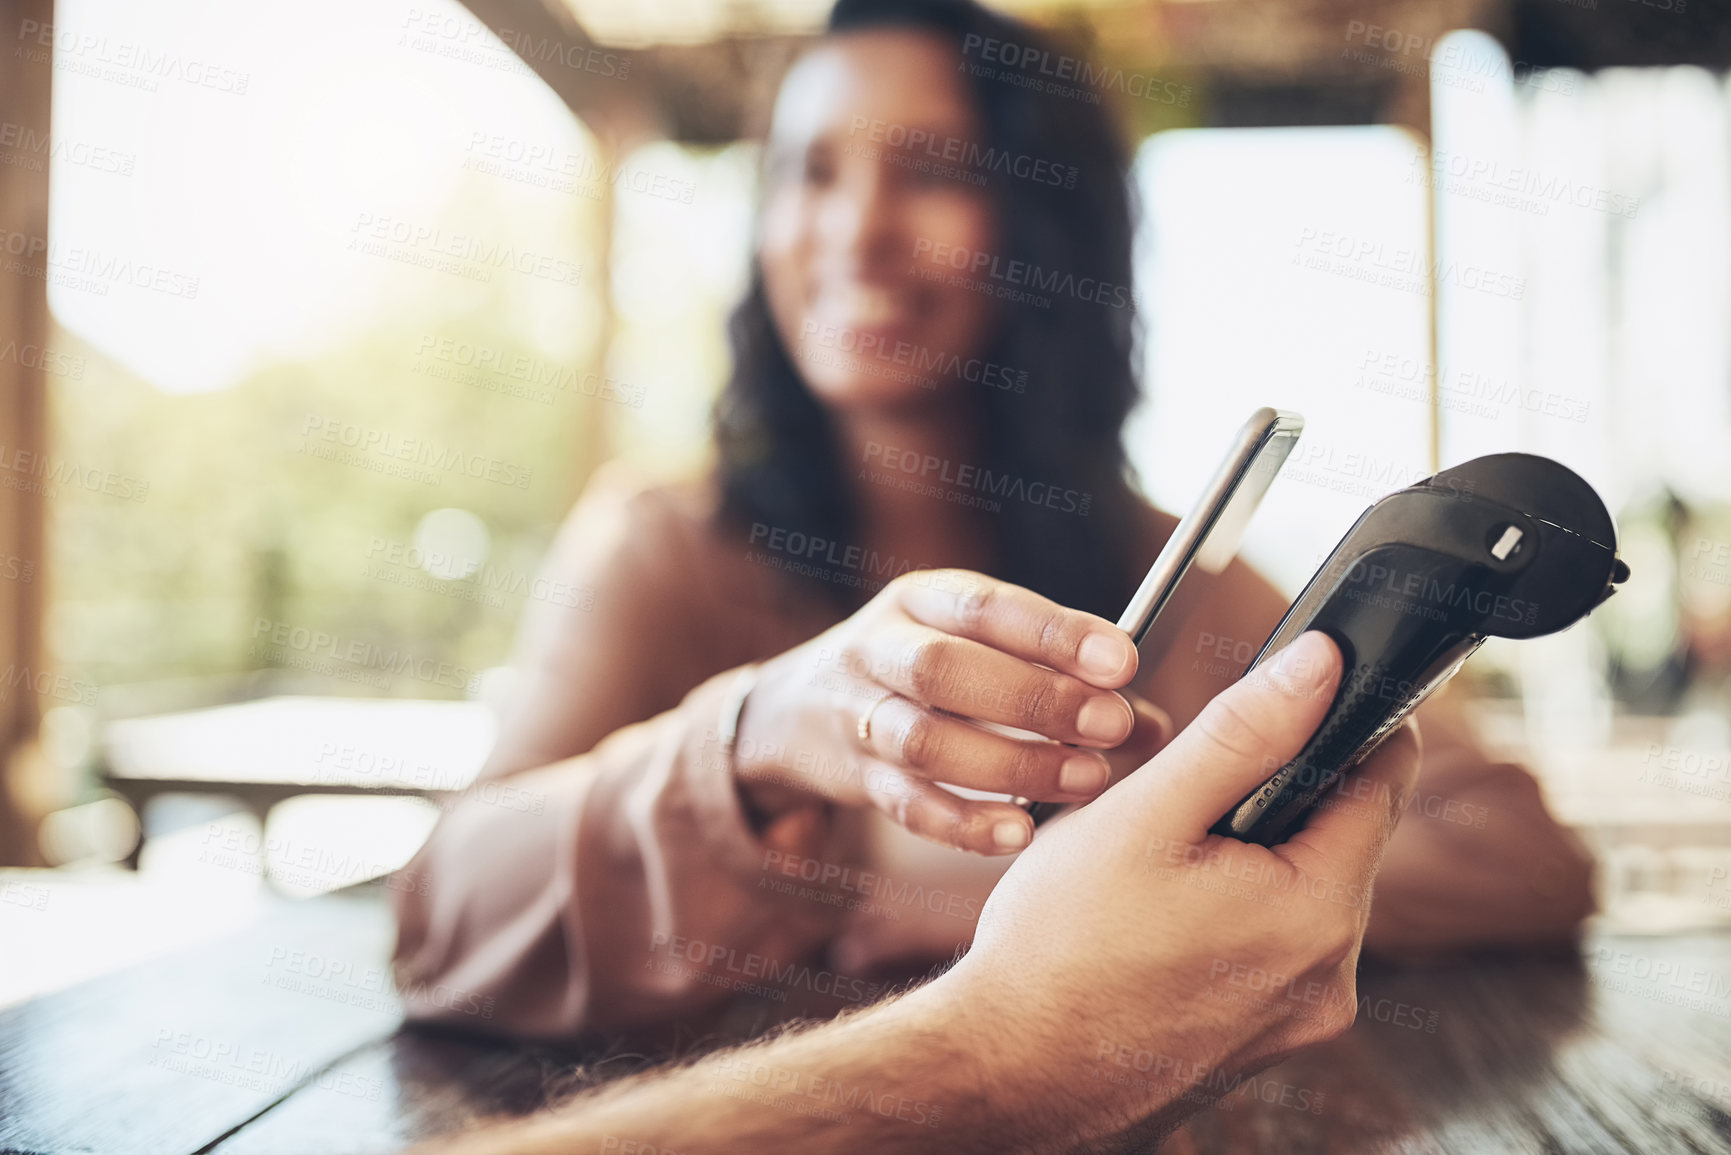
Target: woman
[(734, 754)]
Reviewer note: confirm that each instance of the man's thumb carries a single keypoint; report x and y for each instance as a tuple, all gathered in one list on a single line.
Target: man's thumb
[(1244, 735)]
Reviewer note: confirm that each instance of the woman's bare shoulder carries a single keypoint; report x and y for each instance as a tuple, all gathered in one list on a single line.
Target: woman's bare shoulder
[(644, 535), (630, 516)]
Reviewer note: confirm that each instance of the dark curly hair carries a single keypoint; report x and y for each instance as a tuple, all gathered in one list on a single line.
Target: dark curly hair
[(778, 453)]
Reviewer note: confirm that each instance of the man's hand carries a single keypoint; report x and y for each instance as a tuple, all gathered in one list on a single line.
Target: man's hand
[(1121, 932), (1117, 935)]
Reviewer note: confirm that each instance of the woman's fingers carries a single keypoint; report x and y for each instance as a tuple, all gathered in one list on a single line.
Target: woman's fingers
[(933, 813), (974, 680), (1021, 623), (948, 649), (945, 749)]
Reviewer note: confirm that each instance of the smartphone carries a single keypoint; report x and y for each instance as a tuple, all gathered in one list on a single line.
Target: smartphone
[(1209, 534)]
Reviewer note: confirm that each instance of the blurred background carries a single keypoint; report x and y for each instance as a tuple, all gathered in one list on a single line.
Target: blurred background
[(317, 319)]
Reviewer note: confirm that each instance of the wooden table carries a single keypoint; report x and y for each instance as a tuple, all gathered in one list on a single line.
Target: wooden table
[(285, 1039)]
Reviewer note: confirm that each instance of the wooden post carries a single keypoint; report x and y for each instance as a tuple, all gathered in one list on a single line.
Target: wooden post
[(25, 73)]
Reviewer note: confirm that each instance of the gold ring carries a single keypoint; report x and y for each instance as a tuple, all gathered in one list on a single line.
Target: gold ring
[(864, 728)]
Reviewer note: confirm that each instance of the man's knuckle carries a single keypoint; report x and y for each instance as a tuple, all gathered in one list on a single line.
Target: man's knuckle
[(1335, 937), (1225, 724), (1337, 1020), (1343, 939)]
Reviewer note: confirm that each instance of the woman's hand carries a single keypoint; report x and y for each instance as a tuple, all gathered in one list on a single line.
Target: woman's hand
[(884, 706)]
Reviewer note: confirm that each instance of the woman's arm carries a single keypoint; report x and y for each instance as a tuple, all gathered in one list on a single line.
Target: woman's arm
[(569, 904), (1479, 860), (611, 632), (548, 906)]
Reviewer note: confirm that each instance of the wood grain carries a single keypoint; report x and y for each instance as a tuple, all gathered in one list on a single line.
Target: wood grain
[(168, 1056), (1626, 1048)]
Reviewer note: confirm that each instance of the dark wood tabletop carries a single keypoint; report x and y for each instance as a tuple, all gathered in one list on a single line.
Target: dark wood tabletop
[(286, 1038)]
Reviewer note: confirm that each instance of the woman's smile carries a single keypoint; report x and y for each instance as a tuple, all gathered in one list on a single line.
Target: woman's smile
[(861, 308)]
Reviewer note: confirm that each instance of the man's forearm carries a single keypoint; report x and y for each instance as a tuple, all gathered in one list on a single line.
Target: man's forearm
[(910, 1075)]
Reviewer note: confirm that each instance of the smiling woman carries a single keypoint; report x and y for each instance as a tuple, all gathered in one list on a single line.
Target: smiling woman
[(888, 158)]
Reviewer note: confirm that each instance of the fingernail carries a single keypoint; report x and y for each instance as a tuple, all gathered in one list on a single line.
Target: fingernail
[(1104, 655), (1010, 835), (1081, 774), (1103, 720), (1304, 661)]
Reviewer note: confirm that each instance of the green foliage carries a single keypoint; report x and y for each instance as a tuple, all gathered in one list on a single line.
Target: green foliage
[(241, 522)]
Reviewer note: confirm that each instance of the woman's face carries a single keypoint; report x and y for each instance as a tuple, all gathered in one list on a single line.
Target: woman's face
[(851, 222)]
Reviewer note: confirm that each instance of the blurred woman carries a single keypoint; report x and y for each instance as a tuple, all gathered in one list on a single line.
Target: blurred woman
[(919, 519)]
